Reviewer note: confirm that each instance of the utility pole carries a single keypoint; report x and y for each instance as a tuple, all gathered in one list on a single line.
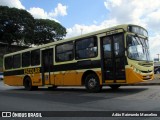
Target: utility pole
[(81, 30)]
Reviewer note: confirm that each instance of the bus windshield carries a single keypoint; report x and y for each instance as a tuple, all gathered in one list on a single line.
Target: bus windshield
[(138, 30), (138, 48)]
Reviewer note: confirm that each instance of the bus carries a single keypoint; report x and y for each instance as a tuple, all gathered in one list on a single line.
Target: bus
[(112, 57)]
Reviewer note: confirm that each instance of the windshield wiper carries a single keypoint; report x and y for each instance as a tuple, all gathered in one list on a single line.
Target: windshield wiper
[(145, 50), (138, 39)]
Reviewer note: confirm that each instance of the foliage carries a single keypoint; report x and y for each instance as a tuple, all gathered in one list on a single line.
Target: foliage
[(16, 26), (46, 31)]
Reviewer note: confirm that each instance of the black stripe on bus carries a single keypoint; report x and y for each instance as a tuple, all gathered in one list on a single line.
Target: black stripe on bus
[(87, 64), (18, 72)]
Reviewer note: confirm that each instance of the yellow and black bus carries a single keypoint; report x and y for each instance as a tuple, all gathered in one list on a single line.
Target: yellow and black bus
[(114, 56)]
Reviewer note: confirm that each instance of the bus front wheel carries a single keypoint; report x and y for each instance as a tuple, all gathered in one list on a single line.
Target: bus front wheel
[(92, 83), (28, 84)]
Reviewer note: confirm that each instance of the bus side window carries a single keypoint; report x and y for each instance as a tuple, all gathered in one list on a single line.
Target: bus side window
[(118, 43), (64, 52), (107, 47), (35, 57), (26, 59), (17, 61), (86, 48), (8, 62)]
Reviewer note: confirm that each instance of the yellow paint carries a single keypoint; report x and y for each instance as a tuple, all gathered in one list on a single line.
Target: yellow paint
[(109, 81), (36, 79), (120, 81), (13, 80), (117, 81), (52, 79), (69, 77), (79, 78), (99, 74), (59, 79), (31, 70), (133, 77)]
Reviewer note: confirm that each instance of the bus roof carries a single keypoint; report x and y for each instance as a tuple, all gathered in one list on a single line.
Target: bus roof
[(122, 26)]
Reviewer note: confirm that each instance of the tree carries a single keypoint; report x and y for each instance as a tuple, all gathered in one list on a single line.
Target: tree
[(16, 26), (46, 31)]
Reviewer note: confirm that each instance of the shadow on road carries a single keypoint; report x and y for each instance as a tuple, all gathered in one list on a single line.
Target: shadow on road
[(71, 95)]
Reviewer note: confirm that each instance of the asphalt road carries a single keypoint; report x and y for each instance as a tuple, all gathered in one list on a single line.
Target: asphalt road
[(127, 98)]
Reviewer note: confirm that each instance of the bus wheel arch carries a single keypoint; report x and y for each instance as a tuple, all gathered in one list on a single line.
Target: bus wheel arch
[(27, 83), (91, 81)]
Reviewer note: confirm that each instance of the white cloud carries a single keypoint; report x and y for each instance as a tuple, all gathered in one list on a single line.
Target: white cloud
[(154, 43), (112, 3), (140, 12), (12, 3), (82, 29), (60, 10), (37, 12), (153, 20), (134, 11)]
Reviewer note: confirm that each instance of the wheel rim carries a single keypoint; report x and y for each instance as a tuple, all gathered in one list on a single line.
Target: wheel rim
[(92, 83)]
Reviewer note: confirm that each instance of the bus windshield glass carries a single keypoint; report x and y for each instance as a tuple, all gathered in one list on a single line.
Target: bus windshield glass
[(138, 48), (138, 30)]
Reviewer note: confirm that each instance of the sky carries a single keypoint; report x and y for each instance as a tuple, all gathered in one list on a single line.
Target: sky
[(83, 16)]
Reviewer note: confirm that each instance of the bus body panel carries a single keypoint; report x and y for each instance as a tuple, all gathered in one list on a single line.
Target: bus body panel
[(59, 79), (52, 81), (133, 77), (69, 77), (52, 70), (36, 79), (14, 80)]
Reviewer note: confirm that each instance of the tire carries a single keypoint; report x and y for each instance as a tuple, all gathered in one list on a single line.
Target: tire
[(28, 84), (114, 87), (92, 83)]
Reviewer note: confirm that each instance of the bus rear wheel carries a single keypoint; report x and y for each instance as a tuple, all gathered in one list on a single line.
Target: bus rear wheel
[(28, 84), (92, 83)]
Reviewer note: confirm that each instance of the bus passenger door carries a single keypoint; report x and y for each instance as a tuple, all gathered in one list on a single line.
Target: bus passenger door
[(113, 58), (47, 66)]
